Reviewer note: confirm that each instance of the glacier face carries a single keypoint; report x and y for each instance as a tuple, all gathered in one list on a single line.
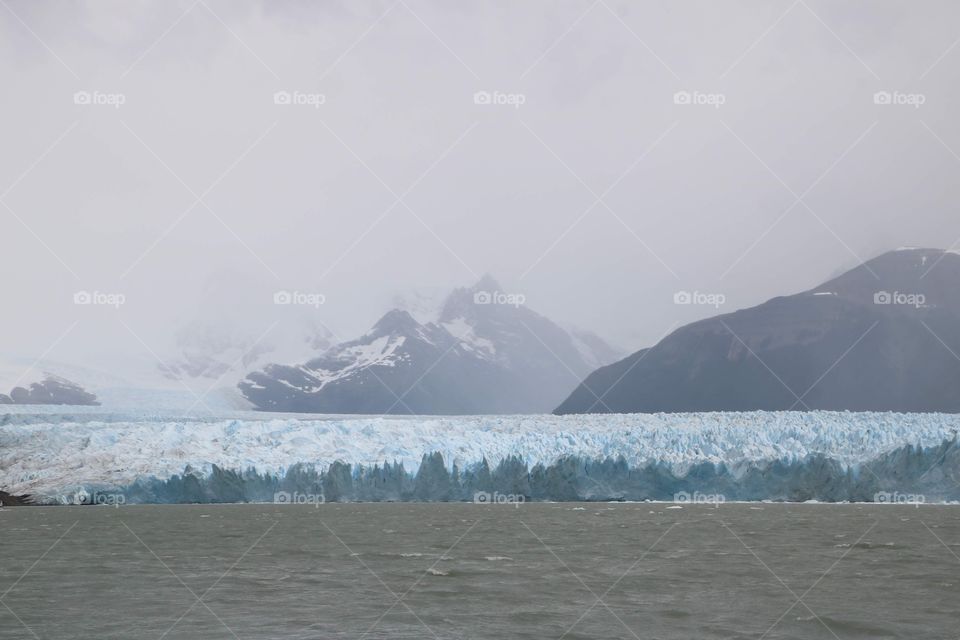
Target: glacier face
[(50, 454)]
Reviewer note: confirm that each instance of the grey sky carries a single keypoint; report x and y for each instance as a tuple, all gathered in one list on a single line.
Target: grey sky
[(299, 198)]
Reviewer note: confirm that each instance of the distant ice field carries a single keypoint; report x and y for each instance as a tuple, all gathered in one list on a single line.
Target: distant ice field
[(46, 450)]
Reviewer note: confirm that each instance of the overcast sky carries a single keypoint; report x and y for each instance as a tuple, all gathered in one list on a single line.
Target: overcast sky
[(590, 191)]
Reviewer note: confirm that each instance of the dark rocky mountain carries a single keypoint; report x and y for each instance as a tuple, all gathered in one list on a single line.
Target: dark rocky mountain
[(51, 390), (485, 352), (884, 336), (10, 500)]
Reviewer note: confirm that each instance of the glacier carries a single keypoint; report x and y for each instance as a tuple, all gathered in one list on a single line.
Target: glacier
[(50, 453)]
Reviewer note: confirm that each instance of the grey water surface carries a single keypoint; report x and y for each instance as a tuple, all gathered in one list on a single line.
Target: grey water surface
[(533, 570)]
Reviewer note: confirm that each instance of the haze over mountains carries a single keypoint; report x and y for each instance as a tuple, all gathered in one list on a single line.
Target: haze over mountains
[(219, 352), (884, 336), (483, 352), (206, 360)]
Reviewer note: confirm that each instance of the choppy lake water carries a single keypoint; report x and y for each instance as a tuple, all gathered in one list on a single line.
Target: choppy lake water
[(535, 570)]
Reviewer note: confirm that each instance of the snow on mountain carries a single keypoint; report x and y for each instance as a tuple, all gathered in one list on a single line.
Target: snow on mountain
[(475, 350), (221, 353), (423, 303), (593, 349), (141, 385), (399, 366), (238, 324), (464, 331), (201, 371), (45, 453), (45, 381), (237, 327), (482, 351)]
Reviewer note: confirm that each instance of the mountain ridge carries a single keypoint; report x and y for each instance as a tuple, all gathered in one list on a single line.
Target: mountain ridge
[(483, 352), (875, 338)]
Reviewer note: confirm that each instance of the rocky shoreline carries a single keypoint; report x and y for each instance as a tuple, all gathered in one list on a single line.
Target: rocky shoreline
[(9, 500)]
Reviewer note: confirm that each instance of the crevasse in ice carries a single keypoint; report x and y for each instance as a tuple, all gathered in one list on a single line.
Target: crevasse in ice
[(46, 455)]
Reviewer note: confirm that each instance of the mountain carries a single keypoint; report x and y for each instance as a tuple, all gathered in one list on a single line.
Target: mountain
[(594, 350), (484, 351), (51, 389), (134, 381), (884, 336), (238, 327), (224, 353)]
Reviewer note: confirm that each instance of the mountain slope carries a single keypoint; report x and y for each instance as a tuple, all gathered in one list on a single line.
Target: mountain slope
[(884, 336), (51, 389), (483, 353)]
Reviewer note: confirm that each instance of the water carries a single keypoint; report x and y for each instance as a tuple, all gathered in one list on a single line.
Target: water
[(594, 570)]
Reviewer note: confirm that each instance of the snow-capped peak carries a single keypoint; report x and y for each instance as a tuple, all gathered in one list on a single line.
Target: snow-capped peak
[(483, 352), (395, 321), (464, 331)]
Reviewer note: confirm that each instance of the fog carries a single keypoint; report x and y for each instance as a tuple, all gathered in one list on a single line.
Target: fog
[(146, 156)]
